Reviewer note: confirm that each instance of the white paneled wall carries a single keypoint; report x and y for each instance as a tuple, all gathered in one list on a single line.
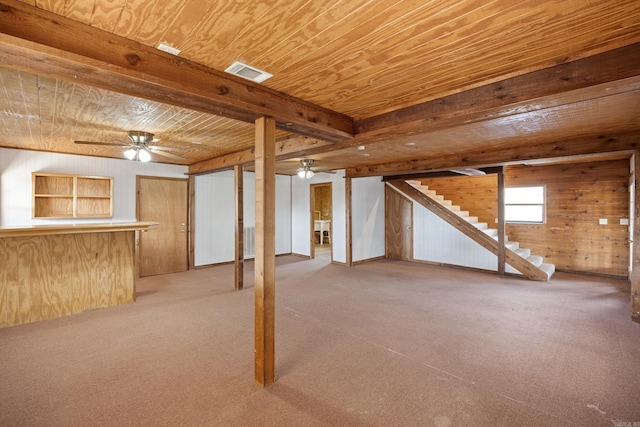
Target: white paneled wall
[(15, 182), (301, 216), (435, 240), (367, 218), (215, 216), (214, 228)]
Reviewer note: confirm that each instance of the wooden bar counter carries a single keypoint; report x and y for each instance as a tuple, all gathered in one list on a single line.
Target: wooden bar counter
[(55, 270)]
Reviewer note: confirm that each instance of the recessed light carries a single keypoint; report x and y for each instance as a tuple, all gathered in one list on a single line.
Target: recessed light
[(169, 49), (197, 142), (248, 72), (361, 147), (411, 143)]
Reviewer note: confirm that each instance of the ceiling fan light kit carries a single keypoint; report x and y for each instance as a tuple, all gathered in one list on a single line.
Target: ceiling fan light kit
[(306, 174), (139, 148)]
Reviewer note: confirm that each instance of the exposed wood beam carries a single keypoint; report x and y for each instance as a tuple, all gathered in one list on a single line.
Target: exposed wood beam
[(579, 148), (349, 224), (239, 234), (599, 75), (192, 221), (501, 224), (264, 303), (506, 97), (297, 146), (635, 264), (40, 42)]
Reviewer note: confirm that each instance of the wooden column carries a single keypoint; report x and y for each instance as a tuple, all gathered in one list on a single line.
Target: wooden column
[(239, 246), (265, 251), (192, 221), (635, 238), (347, 191), (501, 223)]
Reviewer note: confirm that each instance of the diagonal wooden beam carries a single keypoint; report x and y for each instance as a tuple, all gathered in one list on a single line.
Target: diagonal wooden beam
[(40, 42), (576, 149)]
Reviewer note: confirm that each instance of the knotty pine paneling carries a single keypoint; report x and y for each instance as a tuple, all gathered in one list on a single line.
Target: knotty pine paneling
[(44, 277), (578, 195), (476, 194), (323, 201)]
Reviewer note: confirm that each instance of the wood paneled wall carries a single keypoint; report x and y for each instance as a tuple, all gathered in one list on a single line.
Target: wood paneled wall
[(43, 277), (476, 194), (578, 195), (323, 201)]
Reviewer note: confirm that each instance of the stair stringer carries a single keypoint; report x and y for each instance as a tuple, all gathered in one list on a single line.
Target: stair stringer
[(512, 258)]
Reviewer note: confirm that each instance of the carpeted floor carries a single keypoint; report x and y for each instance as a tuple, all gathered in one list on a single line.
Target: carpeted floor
[(381, 344)]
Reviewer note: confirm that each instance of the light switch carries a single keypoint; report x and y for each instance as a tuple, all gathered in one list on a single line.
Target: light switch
[(602, 221)]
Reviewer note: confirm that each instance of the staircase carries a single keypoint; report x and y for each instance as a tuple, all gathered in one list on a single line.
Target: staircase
[(521, 259)]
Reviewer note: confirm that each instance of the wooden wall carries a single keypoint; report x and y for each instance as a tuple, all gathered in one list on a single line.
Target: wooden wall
[(578, 195), (43, 277), (323, 201), (476, 194)]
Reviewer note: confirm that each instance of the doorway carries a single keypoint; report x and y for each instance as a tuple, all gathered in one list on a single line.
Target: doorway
[(321, 211), (165, 201)]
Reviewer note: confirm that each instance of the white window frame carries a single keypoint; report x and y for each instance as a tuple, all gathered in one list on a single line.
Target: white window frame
[(543, 220)]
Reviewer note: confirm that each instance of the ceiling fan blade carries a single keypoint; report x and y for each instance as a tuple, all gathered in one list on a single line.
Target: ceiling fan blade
[(162, 153), (158, 148), (101, 143)]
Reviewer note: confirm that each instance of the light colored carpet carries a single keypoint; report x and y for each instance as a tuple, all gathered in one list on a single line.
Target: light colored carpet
[(384, 343)]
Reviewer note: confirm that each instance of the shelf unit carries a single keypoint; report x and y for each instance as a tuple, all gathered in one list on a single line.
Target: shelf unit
[(71, 196)]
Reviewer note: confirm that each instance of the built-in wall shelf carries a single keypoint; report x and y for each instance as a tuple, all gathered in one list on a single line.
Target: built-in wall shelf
[(72, 196)]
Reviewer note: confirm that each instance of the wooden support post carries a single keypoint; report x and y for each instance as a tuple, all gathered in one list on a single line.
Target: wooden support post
[(192, 221), (635, 238), (501, 224), (265, 251), (347, 191), (239, 246)]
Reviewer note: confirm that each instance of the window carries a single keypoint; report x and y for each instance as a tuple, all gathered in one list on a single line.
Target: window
[(524, 204)]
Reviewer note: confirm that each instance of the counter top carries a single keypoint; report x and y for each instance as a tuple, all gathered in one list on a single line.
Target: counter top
[(106, 227)]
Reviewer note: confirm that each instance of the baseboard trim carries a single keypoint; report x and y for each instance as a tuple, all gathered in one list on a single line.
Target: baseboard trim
[(362, 261)]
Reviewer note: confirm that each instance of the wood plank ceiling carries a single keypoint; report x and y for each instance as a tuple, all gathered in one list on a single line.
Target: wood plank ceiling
[(369, 61)]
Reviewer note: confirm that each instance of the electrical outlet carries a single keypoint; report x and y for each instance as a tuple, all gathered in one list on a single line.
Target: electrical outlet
[(602, 221)]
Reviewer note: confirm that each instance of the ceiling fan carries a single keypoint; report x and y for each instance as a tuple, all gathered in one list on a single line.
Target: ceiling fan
[(139, 147), (307, 171)]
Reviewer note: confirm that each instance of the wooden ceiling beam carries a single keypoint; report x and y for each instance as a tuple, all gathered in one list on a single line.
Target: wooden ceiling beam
[(40, 42), (297, 146), (579, 148), (504, 98)]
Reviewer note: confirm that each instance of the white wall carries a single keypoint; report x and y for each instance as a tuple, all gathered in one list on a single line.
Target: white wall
[(215, 215), (367, 218), (301, 216), (15, 182), (437, 241), (214, 228)]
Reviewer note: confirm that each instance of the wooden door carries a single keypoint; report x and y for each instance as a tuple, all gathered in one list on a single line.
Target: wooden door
[(398, 226), (165, 249)]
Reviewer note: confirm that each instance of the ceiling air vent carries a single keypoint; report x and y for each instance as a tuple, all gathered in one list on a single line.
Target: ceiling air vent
[(248, 72)]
